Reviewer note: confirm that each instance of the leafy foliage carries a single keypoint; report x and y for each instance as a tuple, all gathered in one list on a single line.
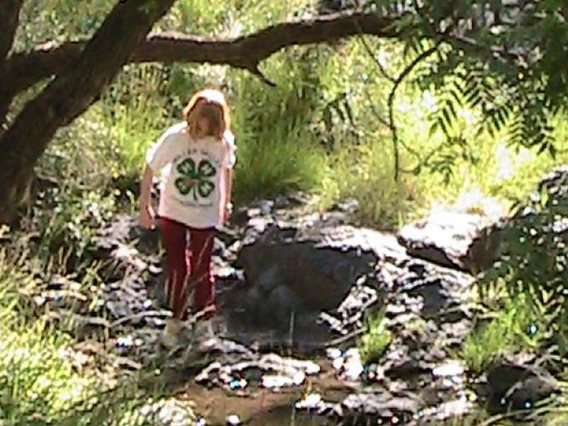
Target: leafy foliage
[(506, 60), (534, 261)]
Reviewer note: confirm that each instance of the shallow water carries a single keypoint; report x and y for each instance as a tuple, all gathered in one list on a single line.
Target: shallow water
[(265, 407), (287, 416)]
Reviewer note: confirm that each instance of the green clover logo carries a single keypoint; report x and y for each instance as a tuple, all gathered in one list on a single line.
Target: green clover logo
[(195, 179)]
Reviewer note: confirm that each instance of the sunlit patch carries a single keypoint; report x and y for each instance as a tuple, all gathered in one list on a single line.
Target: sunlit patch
[(509, 161), (428, 102), (474, 201), (75, 392), (470, 117), (383, 58)]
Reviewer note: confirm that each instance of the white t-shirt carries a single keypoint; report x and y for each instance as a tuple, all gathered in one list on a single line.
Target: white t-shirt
[(193, 182)]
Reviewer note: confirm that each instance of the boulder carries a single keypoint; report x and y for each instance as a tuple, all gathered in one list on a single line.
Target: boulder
[(515, 386), (306, 278), (459, 240)]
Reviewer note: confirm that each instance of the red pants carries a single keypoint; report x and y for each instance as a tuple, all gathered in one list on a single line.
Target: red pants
[(188, 263)]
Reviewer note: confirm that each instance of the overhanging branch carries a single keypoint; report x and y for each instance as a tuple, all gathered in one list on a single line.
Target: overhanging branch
[(70, 94), (27, 68)]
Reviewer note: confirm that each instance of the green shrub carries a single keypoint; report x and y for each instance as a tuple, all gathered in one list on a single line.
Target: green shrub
[(533, 262)]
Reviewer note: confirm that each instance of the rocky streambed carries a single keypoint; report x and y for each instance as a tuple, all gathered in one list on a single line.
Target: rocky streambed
[(295, 293)]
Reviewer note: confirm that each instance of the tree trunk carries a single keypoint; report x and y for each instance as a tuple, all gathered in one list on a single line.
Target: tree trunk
[(10, 17), (72, 91)]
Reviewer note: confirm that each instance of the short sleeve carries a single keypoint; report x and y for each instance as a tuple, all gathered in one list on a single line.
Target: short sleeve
[(161, 153), (230, 153)]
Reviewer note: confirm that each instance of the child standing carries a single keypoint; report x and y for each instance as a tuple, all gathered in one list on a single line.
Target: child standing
[(196, 159)]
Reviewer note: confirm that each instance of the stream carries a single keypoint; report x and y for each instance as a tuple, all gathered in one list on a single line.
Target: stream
[(305, 285)]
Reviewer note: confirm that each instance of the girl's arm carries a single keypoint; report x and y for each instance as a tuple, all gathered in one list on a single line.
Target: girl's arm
[(146, 216), (228, 187), (157, 157), (145, 188)]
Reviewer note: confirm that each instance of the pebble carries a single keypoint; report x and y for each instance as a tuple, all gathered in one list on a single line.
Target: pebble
[(233, 420), (310, 401), (334, 353)]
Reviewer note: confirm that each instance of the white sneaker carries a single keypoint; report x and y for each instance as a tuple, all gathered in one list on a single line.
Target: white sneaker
[(172, 333)]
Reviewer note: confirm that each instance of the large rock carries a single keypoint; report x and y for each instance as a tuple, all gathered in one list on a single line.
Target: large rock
[(472, 242), (307, 278), (320, 266), (459, 240), (515, 386)]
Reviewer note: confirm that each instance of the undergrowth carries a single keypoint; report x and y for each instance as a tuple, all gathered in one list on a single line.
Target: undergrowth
[(510, 328), (44, 379)]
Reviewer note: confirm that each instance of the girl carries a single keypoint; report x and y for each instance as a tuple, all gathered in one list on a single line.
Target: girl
[(196, 159)]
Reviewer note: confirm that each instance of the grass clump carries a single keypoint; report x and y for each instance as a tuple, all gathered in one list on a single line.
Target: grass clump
[(38, 384), (279, 167), (365, 173), (376, 339), (45, 379), (514, 327)]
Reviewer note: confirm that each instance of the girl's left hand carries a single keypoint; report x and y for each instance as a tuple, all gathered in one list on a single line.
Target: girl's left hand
[(227, 212)]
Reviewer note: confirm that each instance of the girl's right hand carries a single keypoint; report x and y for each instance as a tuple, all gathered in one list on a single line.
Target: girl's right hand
[(146, 218)]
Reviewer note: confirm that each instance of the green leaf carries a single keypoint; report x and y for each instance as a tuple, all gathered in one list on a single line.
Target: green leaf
[(184, 185)]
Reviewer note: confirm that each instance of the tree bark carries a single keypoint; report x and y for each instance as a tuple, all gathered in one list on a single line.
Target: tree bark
[(10, 17), (246, 52), (74, 88)]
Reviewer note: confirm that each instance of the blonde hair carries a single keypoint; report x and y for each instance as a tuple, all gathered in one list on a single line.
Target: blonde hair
[(211, 105)]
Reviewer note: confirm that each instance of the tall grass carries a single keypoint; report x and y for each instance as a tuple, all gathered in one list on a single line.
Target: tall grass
[(514, 327), (44, 379), (288, 166)]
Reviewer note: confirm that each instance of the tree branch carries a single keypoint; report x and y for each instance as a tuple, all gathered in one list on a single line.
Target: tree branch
[(398, 81), (27, 68), (74, 88)]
